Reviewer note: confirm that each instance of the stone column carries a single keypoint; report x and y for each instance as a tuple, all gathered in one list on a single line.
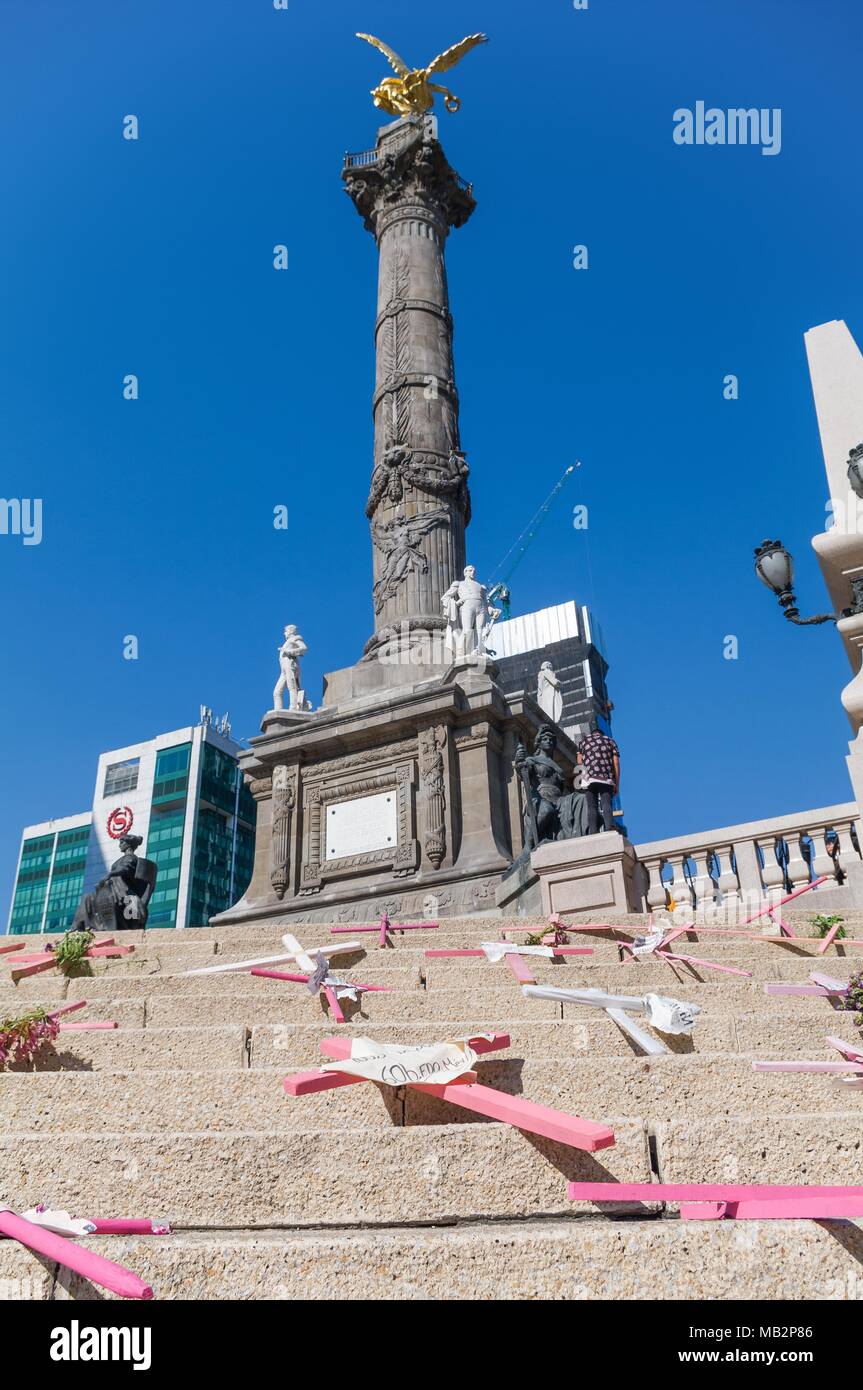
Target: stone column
[(418, 506)]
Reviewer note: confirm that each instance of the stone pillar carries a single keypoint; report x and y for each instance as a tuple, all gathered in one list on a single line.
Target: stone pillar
[(418, 505), (836, 370)]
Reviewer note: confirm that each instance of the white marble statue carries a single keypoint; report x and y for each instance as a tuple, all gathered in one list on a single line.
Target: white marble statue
[(548, 695), (469, 615), (290, 652)]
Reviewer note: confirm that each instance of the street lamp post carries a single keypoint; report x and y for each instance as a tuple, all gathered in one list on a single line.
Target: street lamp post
[(774, 566)]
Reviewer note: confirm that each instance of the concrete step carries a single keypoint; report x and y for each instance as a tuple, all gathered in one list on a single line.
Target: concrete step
[(658, 1088), (571, 1259), (227, 1100), (117, 985), (126, 1013), (186, 1049), (188, 1101), (798, 1147), (313, 1176), (649, 974)]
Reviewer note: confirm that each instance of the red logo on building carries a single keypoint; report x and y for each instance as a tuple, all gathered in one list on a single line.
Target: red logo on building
[(120, 822)]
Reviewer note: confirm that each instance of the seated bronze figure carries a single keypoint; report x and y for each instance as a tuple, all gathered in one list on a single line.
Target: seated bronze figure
[(119, 900)]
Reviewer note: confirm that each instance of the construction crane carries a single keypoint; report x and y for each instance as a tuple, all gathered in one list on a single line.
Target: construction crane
[(500, 591)]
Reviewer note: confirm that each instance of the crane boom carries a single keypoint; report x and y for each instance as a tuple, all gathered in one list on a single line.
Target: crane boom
[(519, 547)]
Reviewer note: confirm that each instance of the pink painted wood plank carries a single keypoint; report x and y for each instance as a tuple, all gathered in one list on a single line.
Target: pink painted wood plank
[(110, 951), (308, 1083), (12, 946), (304, 980), (828, 940), (520, 969), (706, 964), (25, 971), (809, 1066), (784, 928), (122, 1226), (853, 1054), (68, 1009), (789, 897), (393, 926), (335, 1006), (525, 1114), (807, 991), (65, 1252), (699, 1191), (779, 1209)]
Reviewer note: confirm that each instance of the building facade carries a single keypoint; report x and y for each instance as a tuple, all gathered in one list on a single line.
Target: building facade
[(568, 636), (184, 794)]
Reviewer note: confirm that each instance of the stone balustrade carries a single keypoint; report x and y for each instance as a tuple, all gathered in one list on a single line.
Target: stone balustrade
[(742, 866)]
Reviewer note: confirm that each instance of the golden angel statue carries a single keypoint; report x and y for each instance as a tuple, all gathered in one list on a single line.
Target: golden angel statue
[(411, 91)]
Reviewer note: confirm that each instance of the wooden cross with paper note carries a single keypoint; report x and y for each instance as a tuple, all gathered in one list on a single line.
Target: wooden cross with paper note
[(445, 1070)]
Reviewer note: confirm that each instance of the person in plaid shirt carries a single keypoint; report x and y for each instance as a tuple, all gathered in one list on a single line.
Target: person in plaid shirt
[(599, 755)]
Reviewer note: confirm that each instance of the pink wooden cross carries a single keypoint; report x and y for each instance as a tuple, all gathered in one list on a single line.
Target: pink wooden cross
[(517, 963), (557, 936), (328, 991), (821, 987), (740, 1202), (384, 927), (79, 1027), (35, 964), (467, 1094), (661, 952), (64, 1251)]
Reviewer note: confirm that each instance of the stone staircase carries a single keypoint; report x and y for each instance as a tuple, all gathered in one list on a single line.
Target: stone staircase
[(366, 1192)]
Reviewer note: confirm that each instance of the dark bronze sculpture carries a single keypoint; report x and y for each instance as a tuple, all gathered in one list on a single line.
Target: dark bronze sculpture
[(119, 900), (551, 813)]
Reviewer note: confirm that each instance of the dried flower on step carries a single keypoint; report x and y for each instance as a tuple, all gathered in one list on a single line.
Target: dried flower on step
[(852, 999), (22, 1037)]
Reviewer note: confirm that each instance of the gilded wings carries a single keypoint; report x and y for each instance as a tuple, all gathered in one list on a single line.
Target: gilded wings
[(411, 92)]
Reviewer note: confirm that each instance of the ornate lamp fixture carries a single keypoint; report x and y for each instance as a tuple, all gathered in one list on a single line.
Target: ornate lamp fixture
[(774, 566), (855, 469)]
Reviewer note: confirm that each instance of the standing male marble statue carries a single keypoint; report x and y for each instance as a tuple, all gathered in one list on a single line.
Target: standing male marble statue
[(469, 615), (548, 694), (290, 651)]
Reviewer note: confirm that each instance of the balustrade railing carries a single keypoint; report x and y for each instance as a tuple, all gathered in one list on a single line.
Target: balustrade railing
[(742, 866)]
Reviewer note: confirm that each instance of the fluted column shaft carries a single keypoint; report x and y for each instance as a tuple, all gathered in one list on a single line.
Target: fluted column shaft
[(418, 506)]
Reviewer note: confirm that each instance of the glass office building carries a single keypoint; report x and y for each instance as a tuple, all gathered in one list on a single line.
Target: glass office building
[(184, 794)]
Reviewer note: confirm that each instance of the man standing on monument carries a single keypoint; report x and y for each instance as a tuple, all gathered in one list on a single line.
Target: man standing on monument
[(290, 651), (599, 755)]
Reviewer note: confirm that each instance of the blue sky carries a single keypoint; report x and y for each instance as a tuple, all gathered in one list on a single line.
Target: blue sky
[(155, 257)]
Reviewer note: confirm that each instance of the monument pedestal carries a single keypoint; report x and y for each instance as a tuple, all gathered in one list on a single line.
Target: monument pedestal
[(404, 801), (595, 873)]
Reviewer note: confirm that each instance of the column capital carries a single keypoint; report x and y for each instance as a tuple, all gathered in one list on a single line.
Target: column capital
[(405, 180)]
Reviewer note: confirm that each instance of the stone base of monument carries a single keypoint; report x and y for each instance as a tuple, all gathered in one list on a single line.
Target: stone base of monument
[(596, 873), (404, 800), (519, 893)]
